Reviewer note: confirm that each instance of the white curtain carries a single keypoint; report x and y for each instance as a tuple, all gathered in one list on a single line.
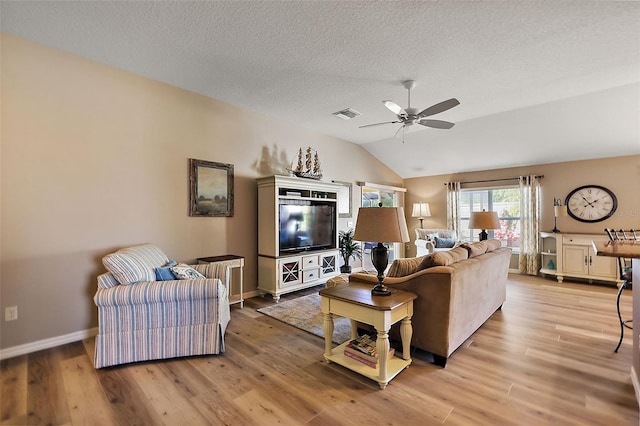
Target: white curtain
[(453, 206), (529, 224)]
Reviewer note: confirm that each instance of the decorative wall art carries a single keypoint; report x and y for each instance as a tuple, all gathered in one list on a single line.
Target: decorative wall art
[(211, 188)]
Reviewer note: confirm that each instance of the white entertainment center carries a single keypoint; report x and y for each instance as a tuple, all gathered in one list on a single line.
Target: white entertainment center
[(297, 233)]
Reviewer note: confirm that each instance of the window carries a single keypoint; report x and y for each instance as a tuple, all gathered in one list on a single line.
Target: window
[(372, 196), (503, 200)]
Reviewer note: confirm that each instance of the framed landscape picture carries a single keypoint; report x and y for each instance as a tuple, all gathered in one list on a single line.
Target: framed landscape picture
[(211, 188)]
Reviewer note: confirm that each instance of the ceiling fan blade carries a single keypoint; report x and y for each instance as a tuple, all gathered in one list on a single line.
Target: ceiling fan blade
[(436, 124), (378, 124), (440, 107), (394, 107)]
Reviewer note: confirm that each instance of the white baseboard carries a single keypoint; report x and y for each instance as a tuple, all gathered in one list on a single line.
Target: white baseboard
[(47, 343)]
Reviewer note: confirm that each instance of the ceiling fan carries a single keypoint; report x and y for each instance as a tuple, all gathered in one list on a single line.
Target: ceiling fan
[(410, 116)]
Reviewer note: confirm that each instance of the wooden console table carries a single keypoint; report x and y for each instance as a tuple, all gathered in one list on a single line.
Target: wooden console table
[(355, 302), (234, 262)]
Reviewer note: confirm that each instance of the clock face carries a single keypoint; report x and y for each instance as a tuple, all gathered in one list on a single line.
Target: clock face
[(591, 203)]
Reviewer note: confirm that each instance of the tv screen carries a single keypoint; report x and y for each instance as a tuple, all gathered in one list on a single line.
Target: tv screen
[(307, 225)]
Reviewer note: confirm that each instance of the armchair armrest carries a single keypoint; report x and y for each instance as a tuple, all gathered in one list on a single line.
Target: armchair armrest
[(147, 292), (425, 244), (424, 247), (219, 270)]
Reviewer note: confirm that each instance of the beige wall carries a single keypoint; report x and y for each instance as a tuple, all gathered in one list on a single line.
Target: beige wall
[(94, 159), (620, 174)]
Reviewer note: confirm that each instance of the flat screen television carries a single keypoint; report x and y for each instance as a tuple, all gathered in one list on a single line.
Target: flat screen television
[(307, 225)]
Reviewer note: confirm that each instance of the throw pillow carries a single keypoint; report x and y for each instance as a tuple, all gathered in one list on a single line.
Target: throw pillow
[(134, 264), (444, 258), (182, 271), (404, 266), (493, 245), (476, 249), (164, 273), (444, 242)]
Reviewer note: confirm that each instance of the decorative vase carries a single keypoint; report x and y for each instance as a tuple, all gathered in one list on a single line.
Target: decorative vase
[(345, 269)]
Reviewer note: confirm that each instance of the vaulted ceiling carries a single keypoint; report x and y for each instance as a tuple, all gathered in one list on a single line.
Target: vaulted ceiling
[(538, 81)]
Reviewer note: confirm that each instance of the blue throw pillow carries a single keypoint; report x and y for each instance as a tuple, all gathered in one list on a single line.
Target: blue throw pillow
[(445, 242), (164, 273)]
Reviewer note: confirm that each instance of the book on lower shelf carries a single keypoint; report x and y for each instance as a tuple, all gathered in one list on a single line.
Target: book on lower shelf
[(364, 349), (360, 359)]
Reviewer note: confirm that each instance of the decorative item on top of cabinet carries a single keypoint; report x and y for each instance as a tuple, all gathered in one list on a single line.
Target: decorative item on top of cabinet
[(311, 168)]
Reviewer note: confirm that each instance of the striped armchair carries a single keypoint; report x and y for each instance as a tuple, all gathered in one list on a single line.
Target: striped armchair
[(142, 319)]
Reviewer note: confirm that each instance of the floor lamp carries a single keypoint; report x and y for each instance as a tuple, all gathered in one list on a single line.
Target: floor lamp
[(484, 220), (420, 210), (382, 225)]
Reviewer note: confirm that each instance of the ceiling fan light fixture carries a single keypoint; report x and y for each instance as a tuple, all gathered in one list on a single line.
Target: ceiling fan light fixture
[(393, 107)]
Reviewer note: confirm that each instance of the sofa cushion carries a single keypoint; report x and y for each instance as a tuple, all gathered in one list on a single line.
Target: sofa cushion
[(444, 242), (107, 280), (444, 258), (182, 271), (481, 247), (493, 245), (475, 249), (134, 264), (404, 266)]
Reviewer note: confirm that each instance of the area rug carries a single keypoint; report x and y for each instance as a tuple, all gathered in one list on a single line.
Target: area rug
[(304, 313)]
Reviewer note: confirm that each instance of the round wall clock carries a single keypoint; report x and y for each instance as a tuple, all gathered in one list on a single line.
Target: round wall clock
[(591, 203)]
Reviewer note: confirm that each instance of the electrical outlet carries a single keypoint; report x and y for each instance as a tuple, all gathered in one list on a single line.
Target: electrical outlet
[(11, 313)]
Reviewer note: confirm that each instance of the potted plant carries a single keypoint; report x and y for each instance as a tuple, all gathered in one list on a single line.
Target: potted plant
[(348, 249)]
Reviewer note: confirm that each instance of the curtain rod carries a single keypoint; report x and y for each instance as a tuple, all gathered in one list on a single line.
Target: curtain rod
[(494, 180)]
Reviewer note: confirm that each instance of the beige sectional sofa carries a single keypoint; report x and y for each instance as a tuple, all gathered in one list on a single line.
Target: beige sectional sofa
[(458, 290)]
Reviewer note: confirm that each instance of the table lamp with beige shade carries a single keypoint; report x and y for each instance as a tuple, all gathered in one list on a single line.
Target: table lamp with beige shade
[(484, 220), (381, 225)]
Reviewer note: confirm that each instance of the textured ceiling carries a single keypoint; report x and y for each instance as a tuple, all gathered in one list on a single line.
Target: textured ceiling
[(538, 81)]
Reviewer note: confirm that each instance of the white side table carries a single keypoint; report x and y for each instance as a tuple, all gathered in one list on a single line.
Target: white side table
[(234, 262), (355, 302)]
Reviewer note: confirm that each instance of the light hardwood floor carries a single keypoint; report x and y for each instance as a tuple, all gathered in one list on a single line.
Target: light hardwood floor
[(546, 358)]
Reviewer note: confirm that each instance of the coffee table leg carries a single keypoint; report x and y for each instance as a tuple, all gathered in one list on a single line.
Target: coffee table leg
[(382, 346), (406, 332), (328, 334)]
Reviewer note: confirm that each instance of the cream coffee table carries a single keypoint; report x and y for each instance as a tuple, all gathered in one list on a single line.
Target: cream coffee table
[(356, 303)]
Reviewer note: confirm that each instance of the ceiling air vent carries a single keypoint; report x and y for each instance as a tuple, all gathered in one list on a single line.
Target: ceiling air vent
[(347, 114)]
